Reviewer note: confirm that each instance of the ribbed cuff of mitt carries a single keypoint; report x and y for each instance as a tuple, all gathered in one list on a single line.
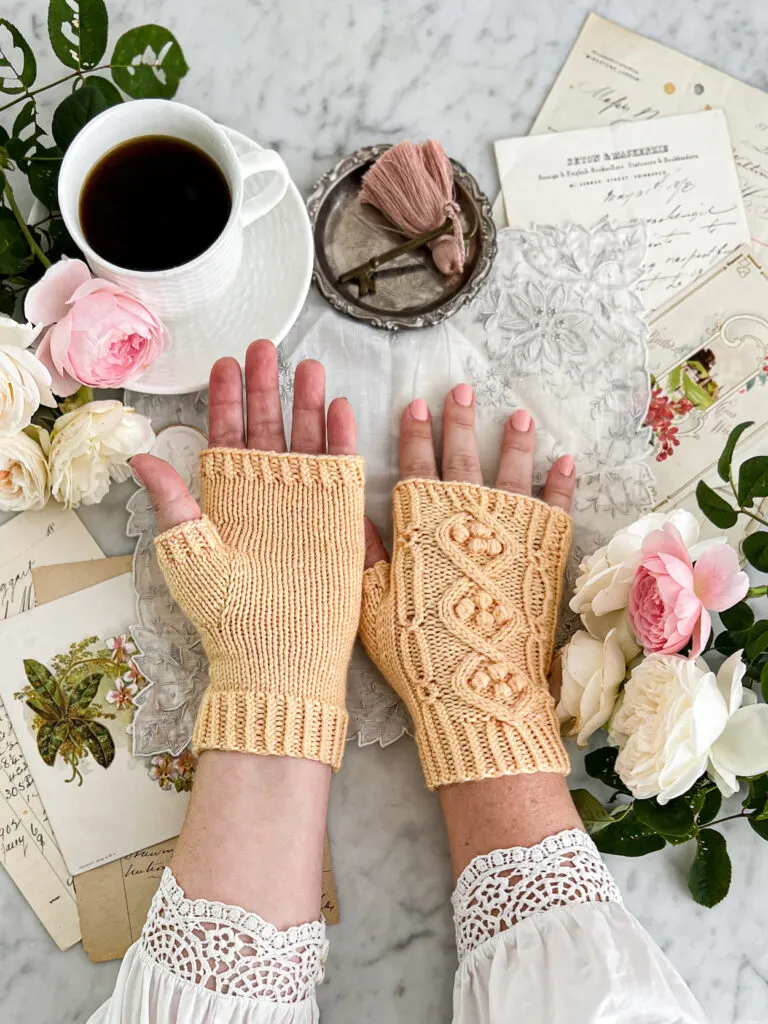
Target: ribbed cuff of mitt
[(271, 723), (465, 751)]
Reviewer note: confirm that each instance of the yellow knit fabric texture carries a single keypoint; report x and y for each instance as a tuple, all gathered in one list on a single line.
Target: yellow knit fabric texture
[(462, 625), (271, 576)]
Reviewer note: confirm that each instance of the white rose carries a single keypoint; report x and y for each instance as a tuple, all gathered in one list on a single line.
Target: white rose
[(742, 747), (601, 593), (676, 720), (24, 479), (24, 382), (593, 671), (91, 446)]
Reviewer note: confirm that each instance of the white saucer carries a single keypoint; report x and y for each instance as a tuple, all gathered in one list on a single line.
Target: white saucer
[(263, 302)]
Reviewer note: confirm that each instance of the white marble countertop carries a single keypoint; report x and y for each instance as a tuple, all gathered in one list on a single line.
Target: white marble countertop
[(316, 80)]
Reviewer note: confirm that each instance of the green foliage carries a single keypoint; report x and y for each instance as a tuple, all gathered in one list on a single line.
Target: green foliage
[(599, 764), (726, 458), (629, 837), (75, 111), (753, 480), (65, 714), (674, 819), (739, 617), (147, 61), (78, 32), (710, 876), (715, 508), (755, 549), (592, 813)]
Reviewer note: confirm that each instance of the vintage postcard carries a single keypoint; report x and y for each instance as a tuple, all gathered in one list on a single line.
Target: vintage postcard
[(708, 359), (614, 75), (676, 174), (68, 686), (114, 899), (28, 850)]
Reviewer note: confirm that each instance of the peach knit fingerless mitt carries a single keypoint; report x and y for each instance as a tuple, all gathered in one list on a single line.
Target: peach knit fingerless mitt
[(462, 625), (271, 576)]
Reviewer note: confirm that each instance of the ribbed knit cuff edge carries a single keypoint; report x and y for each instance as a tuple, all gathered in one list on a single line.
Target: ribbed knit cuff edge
[(270, 723), (489, 749)]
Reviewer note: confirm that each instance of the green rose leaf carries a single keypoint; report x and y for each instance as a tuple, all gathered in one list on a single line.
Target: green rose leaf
[(74, 112), (709, 810), (15, 256), (43, 173), (764, 681), (628, 837), (672, 819), (44, 682), (600, 765), (759, 824), (84, 691), (753, 480), (99, 741), (740, 616), (18, 67), (78, 32), (757, 640), (26, 135), (110, 92), (710, 876), (757, 795), (715, 508), (755, 549), (148, 62), (592, 813), (50, 736), (729, 643), (725, 460)]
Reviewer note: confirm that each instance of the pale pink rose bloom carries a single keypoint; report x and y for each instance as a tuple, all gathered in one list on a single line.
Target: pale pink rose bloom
[(100, 335), (670, 598)]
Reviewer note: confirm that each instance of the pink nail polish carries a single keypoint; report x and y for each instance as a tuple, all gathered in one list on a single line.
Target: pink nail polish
[(566, 465), (463, 395), (521, 421), (419, 410)]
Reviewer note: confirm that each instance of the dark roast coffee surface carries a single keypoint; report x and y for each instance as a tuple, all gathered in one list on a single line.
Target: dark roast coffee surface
[(154, 203)]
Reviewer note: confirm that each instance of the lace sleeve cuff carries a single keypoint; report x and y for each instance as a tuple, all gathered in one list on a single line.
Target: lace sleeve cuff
[(502, 888), (230, 951)]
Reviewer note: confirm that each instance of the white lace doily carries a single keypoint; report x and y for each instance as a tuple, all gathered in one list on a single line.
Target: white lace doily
[(557, 329)]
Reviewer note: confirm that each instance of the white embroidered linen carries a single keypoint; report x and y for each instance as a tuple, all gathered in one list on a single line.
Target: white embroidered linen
[(541, 933)]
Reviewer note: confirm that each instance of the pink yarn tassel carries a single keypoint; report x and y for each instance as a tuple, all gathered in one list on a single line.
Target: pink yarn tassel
[(412, 185)]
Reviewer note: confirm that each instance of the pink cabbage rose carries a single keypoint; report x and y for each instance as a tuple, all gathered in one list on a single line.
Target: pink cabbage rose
[(670, 598), (97, 333)]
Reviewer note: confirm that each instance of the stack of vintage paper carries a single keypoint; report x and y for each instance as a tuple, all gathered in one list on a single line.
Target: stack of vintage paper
[(86, 827), (634, 131)]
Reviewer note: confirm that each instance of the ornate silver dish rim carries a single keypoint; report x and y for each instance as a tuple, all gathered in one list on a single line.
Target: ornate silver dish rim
[(394, 322)]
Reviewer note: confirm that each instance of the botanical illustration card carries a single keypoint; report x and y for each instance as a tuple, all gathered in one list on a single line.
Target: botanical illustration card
[(614, 75), (676, 174), (68, 686), (708, 359), (28, 850)]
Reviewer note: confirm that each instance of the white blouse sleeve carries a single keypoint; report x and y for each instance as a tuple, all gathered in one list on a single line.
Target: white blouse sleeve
[(199, 962), (543, 938)]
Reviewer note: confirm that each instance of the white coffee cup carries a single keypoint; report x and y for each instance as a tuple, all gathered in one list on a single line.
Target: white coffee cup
[(182, 290)]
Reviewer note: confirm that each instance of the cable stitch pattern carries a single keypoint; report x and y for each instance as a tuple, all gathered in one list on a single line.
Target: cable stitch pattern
[(231, 951), (500, 889)]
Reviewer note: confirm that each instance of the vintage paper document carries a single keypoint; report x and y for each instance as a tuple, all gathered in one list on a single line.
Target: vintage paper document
[(55, 581), (676, 174), (114, 899), (613, 75), (708, 357), (28, 850), (102, 802)]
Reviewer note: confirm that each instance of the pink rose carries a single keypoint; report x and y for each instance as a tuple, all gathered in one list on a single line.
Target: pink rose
[(101, 335), (670, 598)]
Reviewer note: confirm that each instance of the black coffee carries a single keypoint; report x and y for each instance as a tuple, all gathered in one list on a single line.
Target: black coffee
[(154, 203)]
